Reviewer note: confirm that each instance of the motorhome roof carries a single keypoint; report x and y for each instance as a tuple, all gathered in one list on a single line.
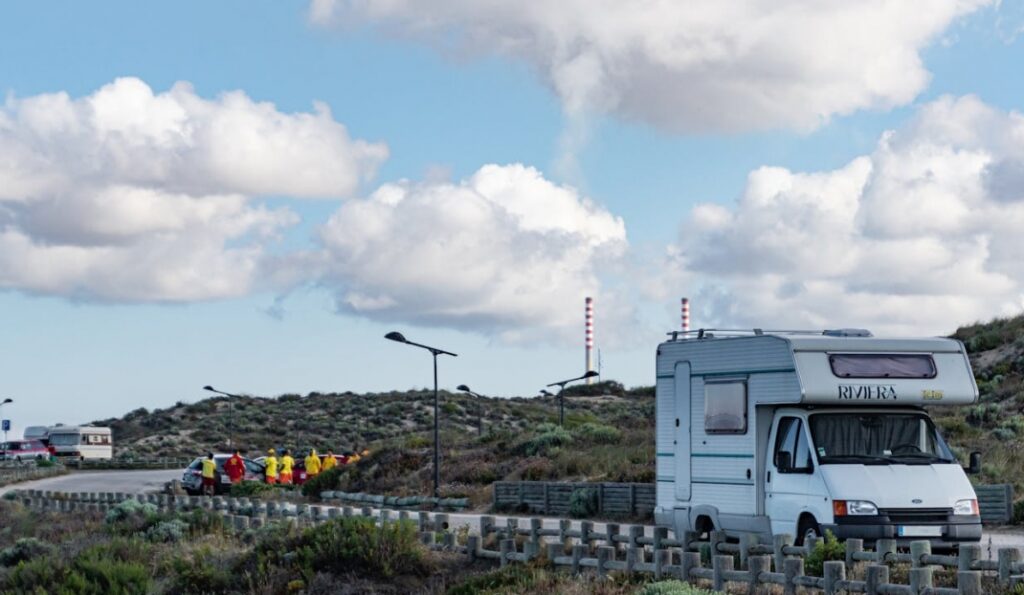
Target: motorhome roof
[(830, 340)]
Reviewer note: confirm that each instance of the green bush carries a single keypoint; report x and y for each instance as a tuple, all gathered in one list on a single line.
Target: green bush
[(598, 433), (45, 463), (583, 503), (24, 549), (345, 545), (323, 482), (672, 588), (825, 550), (1018, 512), (513, 578), (548, 438), (171, 531), (201, 572), (250, 488), (129, 510)]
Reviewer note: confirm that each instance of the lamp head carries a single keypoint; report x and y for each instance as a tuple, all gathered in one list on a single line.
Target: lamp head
[(590, 374), (463, 388), (209, 388), (396, 336), (7, 401)]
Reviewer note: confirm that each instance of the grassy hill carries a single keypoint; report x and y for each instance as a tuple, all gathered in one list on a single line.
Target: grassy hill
[(609, 434)]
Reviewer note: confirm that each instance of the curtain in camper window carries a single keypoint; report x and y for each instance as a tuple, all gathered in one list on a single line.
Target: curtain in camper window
[(874, 435), (882, 365), (725, 408)]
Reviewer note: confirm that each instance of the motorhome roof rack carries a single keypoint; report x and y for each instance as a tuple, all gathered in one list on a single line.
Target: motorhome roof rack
[(710, 333)]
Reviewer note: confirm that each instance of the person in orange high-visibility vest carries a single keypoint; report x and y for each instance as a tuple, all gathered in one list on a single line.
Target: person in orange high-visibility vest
[(287, 462), (312, 465), (271, 463)]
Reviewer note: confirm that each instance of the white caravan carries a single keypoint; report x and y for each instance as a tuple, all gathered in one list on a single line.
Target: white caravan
[(82, 442), (798, 433)]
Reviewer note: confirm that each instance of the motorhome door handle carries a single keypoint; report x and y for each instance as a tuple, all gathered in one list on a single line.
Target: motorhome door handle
[(748, 473), (769, 479)]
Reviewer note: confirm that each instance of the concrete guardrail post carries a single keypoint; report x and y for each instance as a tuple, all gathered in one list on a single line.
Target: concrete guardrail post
[(834, 572), (757, 565), (876, 577), (779, 544), (920, 579), (793, 567), (719, 566), (1008, 558)]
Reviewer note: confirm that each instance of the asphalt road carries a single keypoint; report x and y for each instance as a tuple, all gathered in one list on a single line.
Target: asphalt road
[(152, 481), (131, 482)]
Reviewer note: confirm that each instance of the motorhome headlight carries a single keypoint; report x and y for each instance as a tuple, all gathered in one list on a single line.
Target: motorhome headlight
[(853, 507), (966, 507)]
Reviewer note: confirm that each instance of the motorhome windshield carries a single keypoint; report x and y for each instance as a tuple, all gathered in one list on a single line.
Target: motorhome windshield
[(877, 439)]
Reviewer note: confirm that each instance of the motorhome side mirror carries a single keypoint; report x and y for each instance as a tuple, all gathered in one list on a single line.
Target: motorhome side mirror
[(975, 463), (784, 461)]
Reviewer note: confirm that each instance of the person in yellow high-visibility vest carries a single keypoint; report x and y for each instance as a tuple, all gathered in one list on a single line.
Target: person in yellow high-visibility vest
[(329, 461), (312, 465), (209, 475), (287, 462), (271, 463)]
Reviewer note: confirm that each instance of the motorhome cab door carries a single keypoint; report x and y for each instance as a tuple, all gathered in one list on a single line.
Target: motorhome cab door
[(789, 469)]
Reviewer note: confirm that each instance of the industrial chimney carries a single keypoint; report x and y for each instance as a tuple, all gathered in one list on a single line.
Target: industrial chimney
[(589, 337), (686, 315)]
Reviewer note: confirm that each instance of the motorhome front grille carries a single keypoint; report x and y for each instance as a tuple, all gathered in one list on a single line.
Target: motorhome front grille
[(917, 515)]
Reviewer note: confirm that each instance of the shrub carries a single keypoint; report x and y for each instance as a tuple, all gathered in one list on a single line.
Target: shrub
[(598, 433), (171, 531), (250, 488), (328, 480), (96, 573), (549, 437), (583, 503), (345, 545), (201, 572), (1018, 512), (672, 588), (24, 549), (825, 550), (128, 510), (45, 463)]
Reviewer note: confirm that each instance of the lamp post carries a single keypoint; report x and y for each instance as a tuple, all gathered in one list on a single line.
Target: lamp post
[(2, 403), (231, 425), (434, 351), (561, 400), (479, 408)]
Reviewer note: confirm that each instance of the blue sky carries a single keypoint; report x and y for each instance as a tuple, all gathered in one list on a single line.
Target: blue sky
[(74, 353)]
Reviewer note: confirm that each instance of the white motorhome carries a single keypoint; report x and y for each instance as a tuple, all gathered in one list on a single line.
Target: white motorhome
[(82, 442), (798, 432)]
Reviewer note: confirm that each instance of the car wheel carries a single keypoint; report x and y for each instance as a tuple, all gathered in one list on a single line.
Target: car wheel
[(808, 529)]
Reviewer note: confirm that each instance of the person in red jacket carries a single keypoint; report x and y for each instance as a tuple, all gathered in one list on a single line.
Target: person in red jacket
[(235, 467)]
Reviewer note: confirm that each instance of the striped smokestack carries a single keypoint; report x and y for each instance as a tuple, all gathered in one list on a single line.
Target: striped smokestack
[(589, 337), (686, 314)]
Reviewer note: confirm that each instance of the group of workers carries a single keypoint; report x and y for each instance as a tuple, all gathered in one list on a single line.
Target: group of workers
[(280, 471), (277, 470)]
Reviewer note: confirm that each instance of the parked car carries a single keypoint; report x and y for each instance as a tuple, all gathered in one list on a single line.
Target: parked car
[(23, 450), (192, 480)]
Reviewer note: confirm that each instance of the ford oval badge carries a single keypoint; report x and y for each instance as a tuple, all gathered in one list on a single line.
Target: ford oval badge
[(916, 500)]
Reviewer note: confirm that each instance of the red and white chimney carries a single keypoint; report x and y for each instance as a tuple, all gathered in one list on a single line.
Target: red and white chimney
[(589, 336), (686, 315)]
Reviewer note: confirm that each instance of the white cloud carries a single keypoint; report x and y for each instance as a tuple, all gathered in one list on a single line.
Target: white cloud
[(127, 194), (703, 65), (919, 236), (505, 252)]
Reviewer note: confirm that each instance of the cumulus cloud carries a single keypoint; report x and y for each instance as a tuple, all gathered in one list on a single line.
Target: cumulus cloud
[(699, 66), (127, 194), (504, 251), (919, 236)]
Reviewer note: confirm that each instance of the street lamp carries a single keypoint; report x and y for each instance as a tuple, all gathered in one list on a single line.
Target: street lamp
[(231, 426), (479, 408), (2, 403), (561, 400), (400, 338)]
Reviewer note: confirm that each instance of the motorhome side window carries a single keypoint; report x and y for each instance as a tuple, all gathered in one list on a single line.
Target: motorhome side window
[(792, 454), (882, 365), (725, 408)]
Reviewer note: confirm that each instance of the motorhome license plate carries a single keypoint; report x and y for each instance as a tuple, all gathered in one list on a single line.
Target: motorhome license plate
[(920, 531)]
